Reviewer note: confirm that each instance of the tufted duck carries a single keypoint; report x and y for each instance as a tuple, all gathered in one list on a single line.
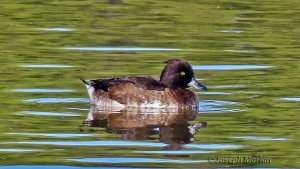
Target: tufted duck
[(134, 91)]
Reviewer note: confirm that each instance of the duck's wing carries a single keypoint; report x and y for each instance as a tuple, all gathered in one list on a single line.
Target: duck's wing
[(123, 90), (105, 84), (147, 83), (135, 91)]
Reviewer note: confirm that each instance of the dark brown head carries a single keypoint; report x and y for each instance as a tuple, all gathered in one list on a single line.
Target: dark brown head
[(179, 74)]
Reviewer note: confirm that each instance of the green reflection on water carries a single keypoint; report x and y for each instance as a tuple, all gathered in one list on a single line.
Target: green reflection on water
[(226, 32)]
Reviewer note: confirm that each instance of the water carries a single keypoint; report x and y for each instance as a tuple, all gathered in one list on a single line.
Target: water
[(57, 29), (46, 66), (229, 67), (246, 53), (138, 49)]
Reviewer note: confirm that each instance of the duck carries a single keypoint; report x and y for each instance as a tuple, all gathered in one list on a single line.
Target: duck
[(169, 91)]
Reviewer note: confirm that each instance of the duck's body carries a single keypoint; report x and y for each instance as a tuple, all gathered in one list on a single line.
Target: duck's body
[(133, 91), (138, 92)]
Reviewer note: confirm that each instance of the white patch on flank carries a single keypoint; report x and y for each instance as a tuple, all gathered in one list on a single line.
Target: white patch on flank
[(108, 105), (156, 104), (104, 103), (117, 104)]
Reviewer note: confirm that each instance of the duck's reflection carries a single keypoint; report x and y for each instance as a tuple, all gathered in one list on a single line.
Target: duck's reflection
[(170, 126)]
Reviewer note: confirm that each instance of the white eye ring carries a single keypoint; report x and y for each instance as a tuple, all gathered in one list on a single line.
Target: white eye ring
[(182, 73)]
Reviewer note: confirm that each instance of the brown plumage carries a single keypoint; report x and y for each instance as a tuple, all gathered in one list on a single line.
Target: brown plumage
[(134, 91)]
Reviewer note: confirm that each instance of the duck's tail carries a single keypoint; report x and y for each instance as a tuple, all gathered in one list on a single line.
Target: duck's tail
[(84, 81), (89, 88)]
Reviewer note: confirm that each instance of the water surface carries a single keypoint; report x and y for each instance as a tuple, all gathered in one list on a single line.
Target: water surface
[(245, 52)]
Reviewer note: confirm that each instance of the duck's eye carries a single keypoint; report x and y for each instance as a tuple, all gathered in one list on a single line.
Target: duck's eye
[(182, 73)]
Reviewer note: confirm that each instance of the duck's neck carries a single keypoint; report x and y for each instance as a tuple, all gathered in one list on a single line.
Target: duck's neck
[(166, 79)]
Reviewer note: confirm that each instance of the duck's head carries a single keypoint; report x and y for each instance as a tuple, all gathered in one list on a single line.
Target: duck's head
[(179, 73)]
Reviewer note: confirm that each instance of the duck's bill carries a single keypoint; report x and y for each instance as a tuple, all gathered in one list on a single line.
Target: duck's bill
[(197, 85)]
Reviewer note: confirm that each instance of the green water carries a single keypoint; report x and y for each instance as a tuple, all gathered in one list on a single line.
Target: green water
[(245, 52)]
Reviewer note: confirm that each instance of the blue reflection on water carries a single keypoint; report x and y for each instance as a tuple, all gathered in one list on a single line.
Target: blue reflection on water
[(36, 90), (94, 143), (241, 51), (46, 66), (56, 167), (63, 135), (120, 49), (125, 143), (229, 67), (214, 106), (58, 100), (15, 150), (227, 86), (260, 138), (295, 99), (57, 29), (134, 160), (41, 113), (213, 146), (77, 108), (176, 152), (215, 93), (216, 103), (231, 31), (218, 110)]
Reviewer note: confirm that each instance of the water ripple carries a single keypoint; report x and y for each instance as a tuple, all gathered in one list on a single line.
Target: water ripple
[(214, 106), (76, 108), (260, 138), (230, 67), (294, 99), (241, 51), (57, 167), (63, 135), (58, 100), (216, 103), (215, 93), (133, 160), (57, 29), (213, 146), (125, 143), (177, 152), (231, 31), (36, 90), (46, 66), (15, 150), (120, 49), (93, 143), (41, 113), (227, 86)]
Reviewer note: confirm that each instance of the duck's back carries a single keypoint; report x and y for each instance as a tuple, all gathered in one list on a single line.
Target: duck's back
[(137, 91)]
